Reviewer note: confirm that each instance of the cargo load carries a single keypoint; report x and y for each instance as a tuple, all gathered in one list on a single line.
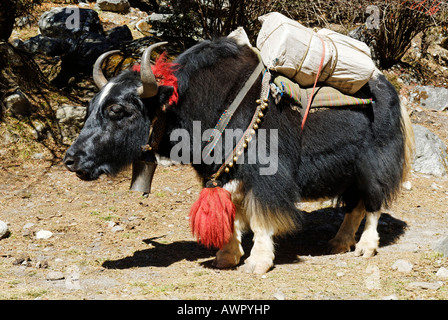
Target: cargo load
[(298, 53)]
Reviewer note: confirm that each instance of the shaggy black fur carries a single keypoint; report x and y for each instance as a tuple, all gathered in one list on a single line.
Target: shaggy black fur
[(353, 154)]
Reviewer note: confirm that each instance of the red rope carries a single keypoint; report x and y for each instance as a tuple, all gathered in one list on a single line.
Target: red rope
[(315, 83)]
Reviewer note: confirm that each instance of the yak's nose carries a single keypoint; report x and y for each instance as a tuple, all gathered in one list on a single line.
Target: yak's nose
[(70, 162)]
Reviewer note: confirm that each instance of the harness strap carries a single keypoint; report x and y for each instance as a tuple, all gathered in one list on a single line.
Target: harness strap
[(227, 115), (242, 144)]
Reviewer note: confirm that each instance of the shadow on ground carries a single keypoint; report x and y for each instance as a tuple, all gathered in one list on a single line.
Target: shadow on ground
[(318, 228)]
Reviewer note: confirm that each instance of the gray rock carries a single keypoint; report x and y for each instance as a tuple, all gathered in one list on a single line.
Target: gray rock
[(63, 23), (72, 115), (118, 35), (3, 230), (442, 273), (430, 153), (402, 266), (391, 297), (45, 45), (117, 228), (424, 285), (279, 295), (55, 275), (442, 246), (18, 104), (77, 36), (71, 119), (121, 6), (43, 234), (429, 97)]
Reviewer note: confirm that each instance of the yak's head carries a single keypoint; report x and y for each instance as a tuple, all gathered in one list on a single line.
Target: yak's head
[(119, 120)]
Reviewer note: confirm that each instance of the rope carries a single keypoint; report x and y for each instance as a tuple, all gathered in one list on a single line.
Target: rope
[(310, 100)]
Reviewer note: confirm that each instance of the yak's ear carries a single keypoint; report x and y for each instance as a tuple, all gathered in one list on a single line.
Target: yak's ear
[(165, 93)]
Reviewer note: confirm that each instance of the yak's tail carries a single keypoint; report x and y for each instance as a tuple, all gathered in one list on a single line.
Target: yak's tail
[(392, 128), (409, 141)]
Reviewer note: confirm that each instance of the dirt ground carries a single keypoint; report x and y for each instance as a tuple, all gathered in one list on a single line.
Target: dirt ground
[(110, 243)]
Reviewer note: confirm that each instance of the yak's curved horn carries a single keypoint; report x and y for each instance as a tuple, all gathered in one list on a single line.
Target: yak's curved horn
[(98, 76), (149, 86)]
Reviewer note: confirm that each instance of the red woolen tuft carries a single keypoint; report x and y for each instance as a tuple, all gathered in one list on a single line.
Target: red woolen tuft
[(164, 72), (212, 217), (136, 68)]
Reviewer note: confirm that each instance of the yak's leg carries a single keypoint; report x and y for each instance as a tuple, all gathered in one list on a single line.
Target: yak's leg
[(345, 238), (261, 257), (369, 242), (230, 255)]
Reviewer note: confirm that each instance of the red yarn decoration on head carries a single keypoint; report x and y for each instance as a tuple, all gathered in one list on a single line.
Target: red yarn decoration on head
[(212, 217), (163, 70)]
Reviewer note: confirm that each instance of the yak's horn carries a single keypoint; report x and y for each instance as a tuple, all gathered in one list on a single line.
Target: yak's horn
[(149, 86), (98, 76)]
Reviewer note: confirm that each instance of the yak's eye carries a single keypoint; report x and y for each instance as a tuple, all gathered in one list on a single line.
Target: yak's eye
[(116, 111)]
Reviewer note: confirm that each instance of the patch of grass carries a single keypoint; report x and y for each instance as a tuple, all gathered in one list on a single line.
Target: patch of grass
[(36, 293)]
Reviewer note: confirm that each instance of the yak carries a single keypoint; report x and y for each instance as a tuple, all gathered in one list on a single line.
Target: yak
[(358, 156)]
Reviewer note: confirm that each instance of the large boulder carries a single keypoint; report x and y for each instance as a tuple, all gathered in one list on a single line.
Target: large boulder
[(430, 154), (71, 120), (429, 97), (77, 36), (68, 22), (18, 104)]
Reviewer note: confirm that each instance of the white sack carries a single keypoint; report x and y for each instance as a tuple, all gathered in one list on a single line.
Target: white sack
[(296, 51)]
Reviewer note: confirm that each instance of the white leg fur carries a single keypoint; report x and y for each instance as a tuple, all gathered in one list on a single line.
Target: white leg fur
[(230, 255), (264, 226), (261, 257), (345, 238), (369, 242)]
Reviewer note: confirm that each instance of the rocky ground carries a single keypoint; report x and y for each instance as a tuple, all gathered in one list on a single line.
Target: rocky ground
[(71, 239)]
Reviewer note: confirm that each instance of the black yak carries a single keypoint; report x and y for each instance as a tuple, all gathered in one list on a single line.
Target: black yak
[(358, 155)]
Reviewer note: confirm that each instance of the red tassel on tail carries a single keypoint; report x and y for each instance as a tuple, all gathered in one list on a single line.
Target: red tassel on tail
[(212, 216)]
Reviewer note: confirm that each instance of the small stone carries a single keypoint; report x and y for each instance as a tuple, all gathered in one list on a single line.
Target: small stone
[(41, 264), (424, 285), (391, 297), (117, 228), (402, 266), (279, 295), (442, 273), (55, 275), (111, 224), (28, 225), (18, 104), (3, 230), (44, 234), (22, 258), (407, 185)]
